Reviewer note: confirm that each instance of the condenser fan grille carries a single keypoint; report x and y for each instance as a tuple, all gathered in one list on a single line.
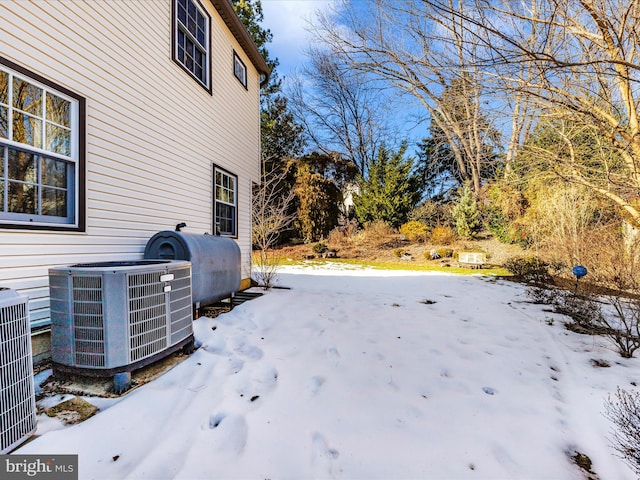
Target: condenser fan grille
[(88, 321), (181, 307), (17, 402), (147, 315)]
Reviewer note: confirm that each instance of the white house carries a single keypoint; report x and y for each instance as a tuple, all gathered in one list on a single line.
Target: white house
[(119, 119)]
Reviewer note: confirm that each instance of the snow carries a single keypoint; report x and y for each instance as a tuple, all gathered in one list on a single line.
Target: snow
[(365, 374)]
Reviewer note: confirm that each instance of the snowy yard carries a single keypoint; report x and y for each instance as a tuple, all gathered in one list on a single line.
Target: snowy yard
[(365, 375)]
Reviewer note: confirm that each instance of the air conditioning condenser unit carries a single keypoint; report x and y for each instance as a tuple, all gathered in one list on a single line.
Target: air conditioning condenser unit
[(113, 317), (17, 394)]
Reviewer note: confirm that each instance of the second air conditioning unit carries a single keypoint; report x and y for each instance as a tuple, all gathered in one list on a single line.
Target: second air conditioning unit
[(113, 317), (17, 398)]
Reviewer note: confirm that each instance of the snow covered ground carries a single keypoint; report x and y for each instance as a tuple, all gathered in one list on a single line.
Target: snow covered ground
[(361, 374)]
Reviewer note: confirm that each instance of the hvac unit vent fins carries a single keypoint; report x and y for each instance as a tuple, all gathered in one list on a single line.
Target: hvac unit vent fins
[(17, 398), (114, 317)]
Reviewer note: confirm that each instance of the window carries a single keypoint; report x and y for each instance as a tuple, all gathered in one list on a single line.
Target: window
[(239, 69), (40, 154), (192, 27), (225, 203)]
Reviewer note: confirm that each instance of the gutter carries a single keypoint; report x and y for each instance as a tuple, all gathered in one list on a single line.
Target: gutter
[(225, 10)]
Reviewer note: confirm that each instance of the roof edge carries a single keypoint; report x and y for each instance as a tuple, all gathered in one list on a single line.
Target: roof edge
[(237, 28)]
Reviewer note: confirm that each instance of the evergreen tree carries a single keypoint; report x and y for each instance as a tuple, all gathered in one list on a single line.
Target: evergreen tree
[(281, 136), (465, 213), (318, 203), (391, 189)]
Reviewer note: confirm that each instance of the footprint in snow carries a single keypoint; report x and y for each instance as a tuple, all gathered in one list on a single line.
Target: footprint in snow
[(316, 384), (322, 456), (332, 352), (229, 366), (489, 390), (229, 433), (215, 420), (256, 380), (249, 351)]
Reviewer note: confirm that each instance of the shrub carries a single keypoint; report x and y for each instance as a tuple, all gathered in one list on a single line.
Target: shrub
[(414, 231), (344, 234), (442, 236), (379, 228), (319, 248), (430, 213), (438, 253), (336, 237), (376, 233), (399, 252), (265, 268), (620, 323), (624, 412), (531, 270)]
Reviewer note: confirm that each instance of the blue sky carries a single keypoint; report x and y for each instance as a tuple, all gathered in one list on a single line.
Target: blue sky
[(288, 21)]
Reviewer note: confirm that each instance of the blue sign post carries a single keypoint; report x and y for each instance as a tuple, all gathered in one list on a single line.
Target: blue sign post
[(579, 271)]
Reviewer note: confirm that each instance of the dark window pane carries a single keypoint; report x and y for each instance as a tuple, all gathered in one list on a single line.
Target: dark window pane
[(22, 198), (58, 110), (182, 12), (4, 87), (193, 11), (27, 129), (54, 173), (27, 97), (201, 37), (22, 166), (4, 122), (58, 140), (54, 202), (225, 218)]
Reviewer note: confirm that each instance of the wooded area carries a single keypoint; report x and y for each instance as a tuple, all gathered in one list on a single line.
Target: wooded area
[(530, 114)]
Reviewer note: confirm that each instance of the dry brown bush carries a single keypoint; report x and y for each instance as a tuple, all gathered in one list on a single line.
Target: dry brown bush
[(442, 236)]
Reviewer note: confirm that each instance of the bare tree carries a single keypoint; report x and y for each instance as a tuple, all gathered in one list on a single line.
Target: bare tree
[(624, 413), (271, 215), (339, 109), (423, 52), (584, 65)]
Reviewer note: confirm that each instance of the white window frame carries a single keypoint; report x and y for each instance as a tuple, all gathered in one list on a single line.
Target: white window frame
[(73, 220), (204, 47), (225, 189)]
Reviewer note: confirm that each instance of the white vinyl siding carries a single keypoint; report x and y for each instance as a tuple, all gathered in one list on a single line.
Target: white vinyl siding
[(153, 134)]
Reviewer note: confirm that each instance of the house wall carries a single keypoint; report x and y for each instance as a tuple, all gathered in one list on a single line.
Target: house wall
[(153, 133)]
